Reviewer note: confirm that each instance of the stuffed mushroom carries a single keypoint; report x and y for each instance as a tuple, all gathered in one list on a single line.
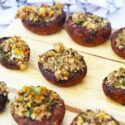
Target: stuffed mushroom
[(3, 95), (14, 52), (36, 105), (43, 20), (62, 66), (118, 42), (114, 85), (88, 29)]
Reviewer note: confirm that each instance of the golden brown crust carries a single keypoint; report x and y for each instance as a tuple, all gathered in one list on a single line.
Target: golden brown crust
[(45, 28), (119, 52), (116, 94), (73, 79), (94, 118), (3, 101), (87, 38)]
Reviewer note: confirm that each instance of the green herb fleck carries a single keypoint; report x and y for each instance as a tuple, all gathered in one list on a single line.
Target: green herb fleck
[(37, 90), (58, 59), (122, 81), (28, 114), (46, 101)]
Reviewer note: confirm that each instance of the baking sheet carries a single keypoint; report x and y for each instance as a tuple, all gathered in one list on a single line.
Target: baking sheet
[(87, 94)]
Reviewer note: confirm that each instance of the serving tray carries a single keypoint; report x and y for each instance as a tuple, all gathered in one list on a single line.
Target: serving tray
[(88, 94)]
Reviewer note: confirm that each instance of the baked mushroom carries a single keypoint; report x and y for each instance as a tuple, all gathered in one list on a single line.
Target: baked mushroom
[(114, 85), (118, 42), (62, 66), (90, 117), (43, 20), (36, 105), (14, 52), (3, 95), (88, 29)]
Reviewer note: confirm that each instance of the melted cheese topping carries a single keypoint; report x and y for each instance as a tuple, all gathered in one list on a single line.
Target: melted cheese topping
[(120, 39), (117, 78), (89, 21), (3, 88), (62, 61), (35, 102), (15, 50), (94, 118), (45, 13)]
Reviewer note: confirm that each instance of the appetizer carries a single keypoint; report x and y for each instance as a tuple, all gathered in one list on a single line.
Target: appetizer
[(43, 20), (90, 117), (88, 29), (62, 66), (118, 42), (14, 52), (36, 105), (3, 95), (114, 85)]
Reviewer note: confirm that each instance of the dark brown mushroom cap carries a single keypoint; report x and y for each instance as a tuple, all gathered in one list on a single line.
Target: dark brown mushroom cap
[(9, 65), (3, 95), (73, 79), (119, 52), (46, 28), (116, 94), (3, 101), (85, 37), (3, 38)]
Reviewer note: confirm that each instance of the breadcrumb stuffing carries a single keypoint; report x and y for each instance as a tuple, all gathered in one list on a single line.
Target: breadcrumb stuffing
[(44, 13), (117, 78), (94, 118), (35, 102), (120, 39), (89, 21), (62, 61)]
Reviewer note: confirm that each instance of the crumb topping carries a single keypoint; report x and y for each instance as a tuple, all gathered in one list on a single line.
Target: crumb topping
[(94, 118), (120, 39), (35, 102), (89, 21), (117, 78), (15, 50), (3, 88), (62, 61), (44, 13)]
